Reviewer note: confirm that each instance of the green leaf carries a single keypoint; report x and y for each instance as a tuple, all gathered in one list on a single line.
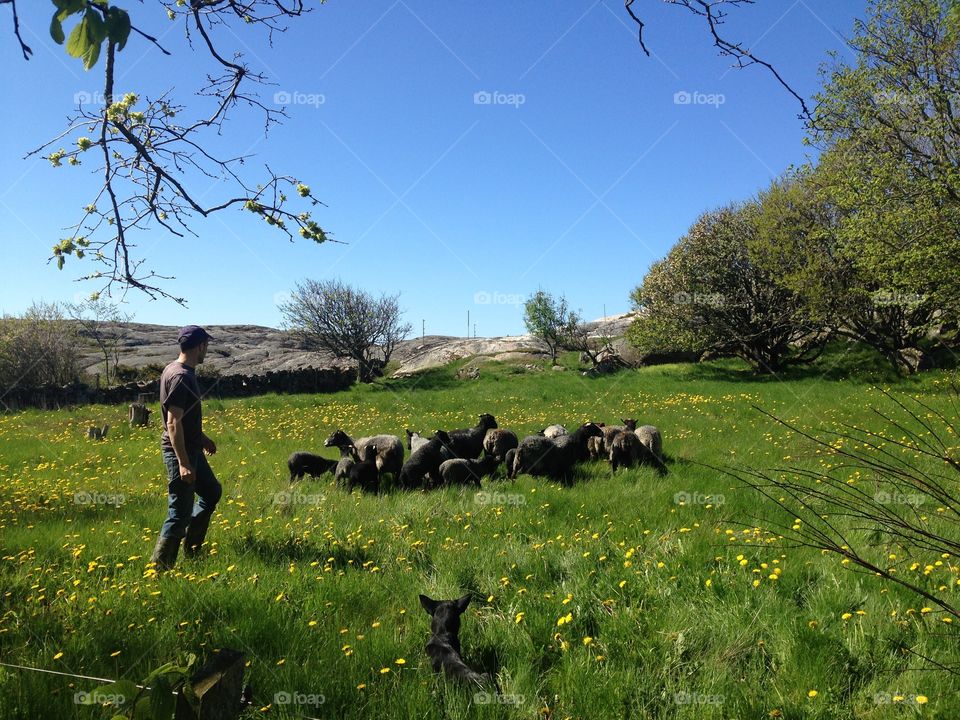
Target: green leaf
[(56, 30), (68, 8), (118, 27), (85, 39)]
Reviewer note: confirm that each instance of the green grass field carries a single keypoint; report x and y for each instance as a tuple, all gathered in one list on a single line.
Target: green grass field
[(605, 600)]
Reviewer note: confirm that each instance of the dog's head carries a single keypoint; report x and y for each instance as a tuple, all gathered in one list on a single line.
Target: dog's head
[(445, 613)]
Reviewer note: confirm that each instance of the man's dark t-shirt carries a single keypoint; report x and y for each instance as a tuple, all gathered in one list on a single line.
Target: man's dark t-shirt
[(179, 388)]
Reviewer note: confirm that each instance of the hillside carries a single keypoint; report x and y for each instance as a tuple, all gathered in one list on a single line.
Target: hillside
[(255, 350)]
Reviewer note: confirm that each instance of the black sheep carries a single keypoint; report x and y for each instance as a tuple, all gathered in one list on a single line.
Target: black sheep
[(467, 472), (364, 474), (304, 463), (425, 462), (538, 455), (467, 443)]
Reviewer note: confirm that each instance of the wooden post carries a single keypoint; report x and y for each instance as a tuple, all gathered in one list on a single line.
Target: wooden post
[(218, 685), (139, 415)]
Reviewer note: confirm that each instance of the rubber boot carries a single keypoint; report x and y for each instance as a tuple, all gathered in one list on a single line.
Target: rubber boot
[(165, 553), (196, 532)]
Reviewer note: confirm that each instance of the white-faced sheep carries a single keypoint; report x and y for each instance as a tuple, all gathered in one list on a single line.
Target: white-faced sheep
[(364, 474), (539, 455), (467, 443), (389, 449), (467, 472), (425, 462), (498, 441), (304, 463)]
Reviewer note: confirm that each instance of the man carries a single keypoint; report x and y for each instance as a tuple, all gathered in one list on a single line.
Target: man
[(183, 444)]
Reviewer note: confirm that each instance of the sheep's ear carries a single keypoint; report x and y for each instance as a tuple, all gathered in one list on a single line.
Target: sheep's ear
[(428, 604), (462, 603)]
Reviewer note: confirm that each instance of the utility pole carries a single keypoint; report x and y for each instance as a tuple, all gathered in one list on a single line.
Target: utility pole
[(423, 329), (474, 331), (468, 324)]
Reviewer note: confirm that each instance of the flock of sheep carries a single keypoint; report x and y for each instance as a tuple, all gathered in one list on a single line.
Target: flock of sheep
[(465, 456)]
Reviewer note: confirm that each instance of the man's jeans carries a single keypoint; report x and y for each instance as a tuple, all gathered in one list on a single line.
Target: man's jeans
[(181, 495)]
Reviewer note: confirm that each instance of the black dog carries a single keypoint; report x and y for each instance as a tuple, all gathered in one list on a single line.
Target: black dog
[(444, 644)]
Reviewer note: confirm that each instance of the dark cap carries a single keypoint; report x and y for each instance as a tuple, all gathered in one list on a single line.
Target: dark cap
[(191, 336)]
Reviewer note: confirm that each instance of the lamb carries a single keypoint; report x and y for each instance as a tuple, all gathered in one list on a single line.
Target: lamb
[(304, 463), (389, 454), (498, 441), (415, 441), (539, 455), (348, 457), (553, 431), (595, 447), (468, 443), (508, 460), (468, 472), (425, 461), (443, 648), (611, 431), (625, 450), (364, 474)]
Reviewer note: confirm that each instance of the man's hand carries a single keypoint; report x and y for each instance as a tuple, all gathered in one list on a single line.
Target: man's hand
[(186, 474), (209, 446)]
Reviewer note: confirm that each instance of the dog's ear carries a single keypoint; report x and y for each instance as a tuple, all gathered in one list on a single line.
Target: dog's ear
[(429, 605), (462, 603)]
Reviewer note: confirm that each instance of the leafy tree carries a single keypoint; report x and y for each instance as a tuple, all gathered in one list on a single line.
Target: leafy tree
[(798, 241), (551, 321), (347, 322), (888, 126), (710, 293), (100, 321), (148, 153), (40, 348)]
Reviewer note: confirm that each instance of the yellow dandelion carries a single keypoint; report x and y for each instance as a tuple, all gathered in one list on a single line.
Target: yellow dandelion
[(400, 661), (587, 640), (846, 616), (922, 699), (812, 694), (384, 671), (58, 656), (114, 653)]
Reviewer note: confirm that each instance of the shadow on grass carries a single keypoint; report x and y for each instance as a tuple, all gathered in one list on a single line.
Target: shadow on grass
[(442, 378), (841, 361)]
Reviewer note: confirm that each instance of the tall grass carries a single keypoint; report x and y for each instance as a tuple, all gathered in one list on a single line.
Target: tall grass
[(625, 596)]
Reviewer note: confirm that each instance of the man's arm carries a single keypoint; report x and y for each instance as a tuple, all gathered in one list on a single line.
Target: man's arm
[(175, 431)]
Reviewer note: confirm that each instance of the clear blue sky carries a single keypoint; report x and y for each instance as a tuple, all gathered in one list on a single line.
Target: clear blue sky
[(458, 206)]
